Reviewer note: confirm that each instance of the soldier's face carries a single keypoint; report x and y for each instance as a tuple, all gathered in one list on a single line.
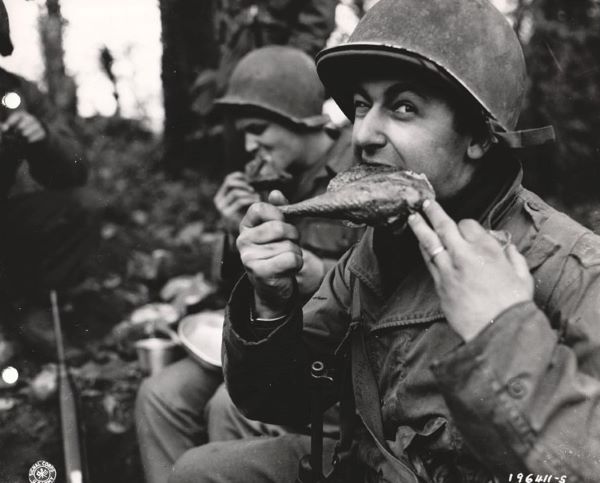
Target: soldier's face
[(403, 123), (273, 143)]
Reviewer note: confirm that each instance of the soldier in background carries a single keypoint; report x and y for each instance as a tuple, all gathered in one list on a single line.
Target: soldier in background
[(244, 25), (275, 99), (48, 228)]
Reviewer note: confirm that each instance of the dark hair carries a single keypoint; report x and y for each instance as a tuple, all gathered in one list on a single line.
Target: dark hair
[(469, 116)]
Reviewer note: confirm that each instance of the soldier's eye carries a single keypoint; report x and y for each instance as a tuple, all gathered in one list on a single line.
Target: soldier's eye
[(360, 107), (404, 108)]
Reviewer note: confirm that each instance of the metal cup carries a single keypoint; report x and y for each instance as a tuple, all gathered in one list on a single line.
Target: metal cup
[(154, 354)]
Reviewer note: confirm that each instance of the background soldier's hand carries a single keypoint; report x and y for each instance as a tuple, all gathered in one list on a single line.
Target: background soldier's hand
[(311, 275), (475, 277), (25, 125), (270, 254), (232, 200)]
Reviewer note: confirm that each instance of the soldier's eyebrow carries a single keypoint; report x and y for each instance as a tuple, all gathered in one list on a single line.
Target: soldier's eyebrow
[(359, 90), (411, 86)]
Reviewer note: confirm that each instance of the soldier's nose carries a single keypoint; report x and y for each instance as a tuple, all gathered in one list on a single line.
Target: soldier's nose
[(368, 131), (250, 143)]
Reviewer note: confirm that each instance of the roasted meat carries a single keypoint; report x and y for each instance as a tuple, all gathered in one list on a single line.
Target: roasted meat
[(366, 194)]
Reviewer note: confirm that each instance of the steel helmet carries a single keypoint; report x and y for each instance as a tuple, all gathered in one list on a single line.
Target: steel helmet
[(280, 80), (468, 42)]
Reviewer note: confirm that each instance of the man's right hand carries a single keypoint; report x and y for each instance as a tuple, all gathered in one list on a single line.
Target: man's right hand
[(232, 200), (271, 255)]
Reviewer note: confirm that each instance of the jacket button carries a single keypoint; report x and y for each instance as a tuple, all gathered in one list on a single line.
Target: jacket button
[(401, 373), (516, 388)]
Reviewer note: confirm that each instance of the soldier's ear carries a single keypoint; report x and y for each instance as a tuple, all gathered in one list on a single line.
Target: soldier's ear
[(478, 147)]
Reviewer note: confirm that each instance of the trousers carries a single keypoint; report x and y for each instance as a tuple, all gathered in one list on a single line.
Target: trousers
[(190, 430), (245, 451), (169, 415)]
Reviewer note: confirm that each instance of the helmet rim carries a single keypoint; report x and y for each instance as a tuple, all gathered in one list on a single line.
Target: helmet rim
[(232, 102)]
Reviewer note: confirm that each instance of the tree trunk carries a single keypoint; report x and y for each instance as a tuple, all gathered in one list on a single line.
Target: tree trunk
[(61, 88), (189, 47)]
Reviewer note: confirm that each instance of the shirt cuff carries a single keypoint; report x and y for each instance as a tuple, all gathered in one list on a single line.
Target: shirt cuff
[(244, 327)]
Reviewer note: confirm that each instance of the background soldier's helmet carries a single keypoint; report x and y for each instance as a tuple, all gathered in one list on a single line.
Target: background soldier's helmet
[(468, 42), (6, 46), (280, 80)]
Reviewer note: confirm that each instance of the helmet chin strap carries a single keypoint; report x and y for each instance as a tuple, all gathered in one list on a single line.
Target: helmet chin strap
[(521, 139)]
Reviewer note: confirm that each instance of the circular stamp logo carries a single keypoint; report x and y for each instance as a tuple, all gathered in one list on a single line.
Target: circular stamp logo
[(42, 472)]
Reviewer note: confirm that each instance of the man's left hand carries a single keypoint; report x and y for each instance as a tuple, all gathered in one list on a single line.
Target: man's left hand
[(475, 277), (26, 125)]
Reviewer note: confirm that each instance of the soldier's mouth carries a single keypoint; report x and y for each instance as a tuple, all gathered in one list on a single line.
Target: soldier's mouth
[(375, 164), (263, 175)]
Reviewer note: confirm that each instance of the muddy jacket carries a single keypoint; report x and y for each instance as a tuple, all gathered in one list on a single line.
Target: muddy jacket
[(55, 162), (521, 397)]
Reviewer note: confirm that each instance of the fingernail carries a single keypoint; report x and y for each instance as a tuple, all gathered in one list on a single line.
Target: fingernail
[(412, 218), (426, 204)]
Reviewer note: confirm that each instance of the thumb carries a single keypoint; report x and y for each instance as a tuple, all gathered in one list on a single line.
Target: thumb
[(277, 198), (308, 255), (517, 261)]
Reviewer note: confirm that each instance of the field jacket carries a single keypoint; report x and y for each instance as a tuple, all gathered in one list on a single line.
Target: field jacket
[(522, 397)]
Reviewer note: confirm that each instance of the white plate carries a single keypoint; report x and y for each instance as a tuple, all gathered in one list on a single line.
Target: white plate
[(201, 334)]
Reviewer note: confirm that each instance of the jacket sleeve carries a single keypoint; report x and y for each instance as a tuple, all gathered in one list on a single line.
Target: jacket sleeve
[(231, 265), (268, 375), (58, 160), (314, 24), (527, 397)]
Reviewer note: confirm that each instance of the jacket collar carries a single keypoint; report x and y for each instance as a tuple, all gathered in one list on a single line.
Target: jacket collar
[(337, 158)]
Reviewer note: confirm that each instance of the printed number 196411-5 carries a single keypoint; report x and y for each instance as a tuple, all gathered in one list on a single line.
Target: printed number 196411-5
[(531, 478)]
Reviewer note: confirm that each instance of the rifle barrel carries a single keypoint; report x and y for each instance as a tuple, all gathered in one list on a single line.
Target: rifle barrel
[(68, 406)]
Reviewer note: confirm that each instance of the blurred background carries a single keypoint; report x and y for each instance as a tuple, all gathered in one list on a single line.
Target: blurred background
[(130, 74), (130, 30)]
